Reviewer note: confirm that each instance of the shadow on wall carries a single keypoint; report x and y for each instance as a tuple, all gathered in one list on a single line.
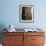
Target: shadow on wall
[(2, 26)]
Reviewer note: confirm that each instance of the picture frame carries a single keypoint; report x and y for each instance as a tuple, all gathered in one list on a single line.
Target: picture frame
[(26, 13)]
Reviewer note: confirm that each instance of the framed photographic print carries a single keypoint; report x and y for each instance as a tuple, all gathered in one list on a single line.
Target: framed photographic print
[(26, 13)]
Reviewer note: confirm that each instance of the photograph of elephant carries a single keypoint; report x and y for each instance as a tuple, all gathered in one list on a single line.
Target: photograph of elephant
[(26, 13)]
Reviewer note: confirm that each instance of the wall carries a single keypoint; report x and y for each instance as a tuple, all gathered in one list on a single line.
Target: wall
[(9, 13)]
